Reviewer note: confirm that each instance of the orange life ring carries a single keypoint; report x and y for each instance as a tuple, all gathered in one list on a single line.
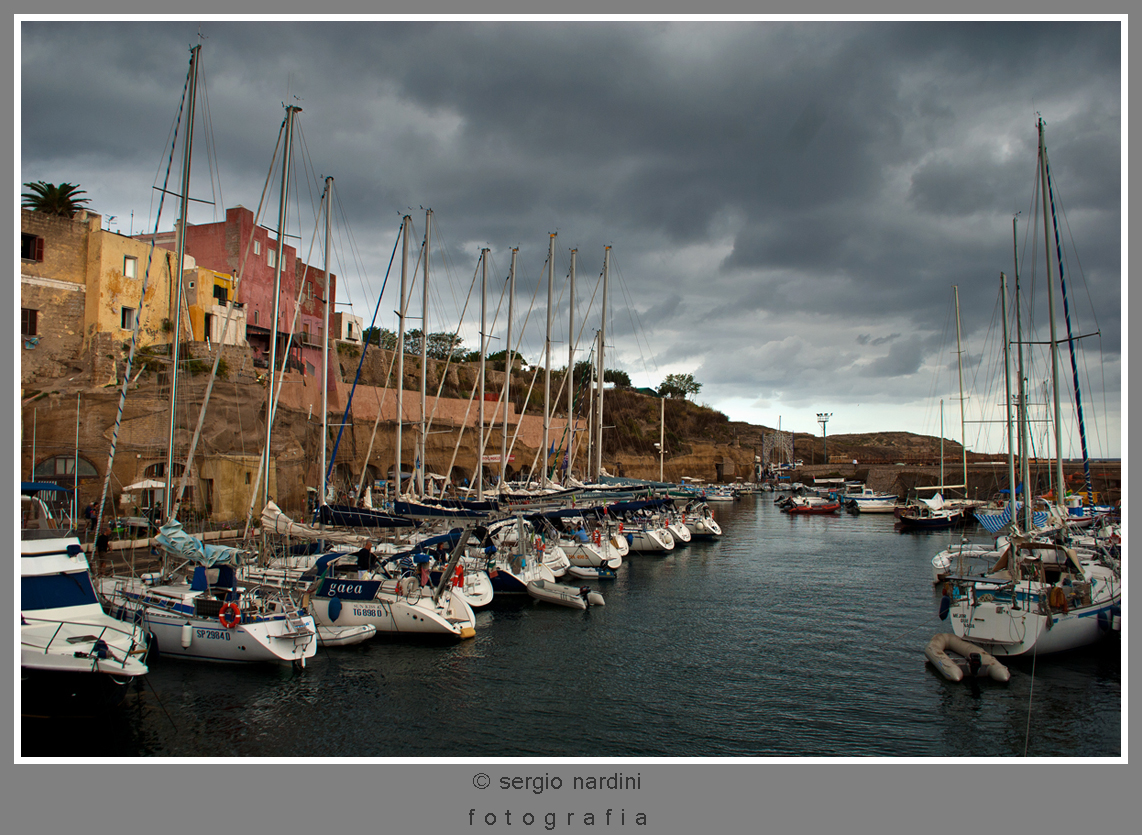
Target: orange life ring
[(229, 616), (620, 527)]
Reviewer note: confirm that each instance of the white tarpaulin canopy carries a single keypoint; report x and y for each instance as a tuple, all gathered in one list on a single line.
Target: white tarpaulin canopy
[(145, 484)]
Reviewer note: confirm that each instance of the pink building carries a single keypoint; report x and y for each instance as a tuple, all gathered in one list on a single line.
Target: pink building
[(224, 246)]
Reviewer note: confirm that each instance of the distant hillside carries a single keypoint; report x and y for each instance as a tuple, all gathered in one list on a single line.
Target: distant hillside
[(637, 421)]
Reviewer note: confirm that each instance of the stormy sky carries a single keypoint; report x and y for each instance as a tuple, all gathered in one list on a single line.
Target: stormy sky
[(788, 204)]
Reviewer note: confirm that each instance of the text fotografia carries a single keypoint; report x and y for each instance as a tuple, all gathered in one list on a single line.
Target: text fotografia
[(549, 820), (538, 784)]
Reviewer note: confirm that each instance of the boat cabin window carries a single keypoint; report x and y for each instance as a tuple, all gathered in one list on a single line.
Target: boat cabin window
[(55, 591)]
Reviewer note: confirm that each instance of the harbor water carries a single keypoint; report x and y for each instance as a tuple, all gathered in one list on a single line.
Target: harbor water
[(791, 636)]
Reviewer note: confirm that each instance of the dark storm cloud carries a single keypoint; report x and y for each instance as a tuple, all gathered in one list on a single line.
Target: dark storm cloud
[(790, 204)]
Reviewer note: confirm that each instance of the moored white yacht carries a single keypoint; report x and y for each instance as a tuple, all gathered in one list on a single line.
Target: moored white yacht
[(72, 654)]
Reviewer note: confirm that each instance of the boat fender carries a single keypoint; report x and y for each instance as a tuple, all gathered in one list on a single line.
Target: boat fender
[(228, 615), (334, 608), (945, 607), (187, 635), (630, 539)]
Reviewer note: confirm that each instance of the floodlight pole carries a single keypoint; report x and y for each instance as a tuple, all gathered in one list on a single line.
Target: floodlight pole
[(823, 419)]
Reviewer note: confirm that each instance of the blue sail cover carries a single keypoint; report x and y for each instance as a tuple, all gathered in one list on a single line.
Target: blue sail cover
[(178, 543), (358, 517), (995, 522)]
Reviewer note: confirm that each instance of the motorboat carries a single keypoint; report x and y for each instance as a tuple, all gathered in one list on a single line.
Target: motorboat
[(798, 505), (956, 658), (73, 655), (562, 595), (343, 636)]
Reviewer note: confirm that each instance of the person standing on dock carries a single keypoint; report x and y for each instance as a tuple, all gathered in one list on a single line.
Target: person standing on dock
[(103, 552)]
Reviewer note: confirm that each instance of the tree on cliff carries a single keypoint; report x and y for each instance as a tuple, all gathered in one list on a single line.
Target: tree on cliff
[(679, 385), (584, 370), (50, 199)]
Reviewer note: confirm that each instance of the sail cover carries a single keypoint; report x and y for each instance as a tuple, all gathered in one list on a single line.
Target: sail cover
[(178, 543)]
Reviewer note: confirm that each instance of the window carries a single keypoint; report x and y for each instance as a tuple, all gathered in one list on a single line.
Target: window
[(220, 294), (63, 465), (31, 247), (257, 247), (28, 321), (309, 369), (130, 267), (255, 317), (272, 257), (127, 319)]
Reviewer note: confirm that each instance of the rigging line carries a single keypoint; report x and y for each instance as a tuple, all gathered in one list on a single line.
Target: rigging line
[(344, 228), (226, 326), (440, 386), (456, 449), (475, 385), (635, 320), (364, 351), (311, 178), (142, 299), (1060, 497), (212, 148)]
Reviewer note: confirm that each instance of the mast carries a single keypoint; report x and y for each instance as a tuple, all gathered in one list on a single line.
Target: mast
[(960, 367), (544, 454), (483, 366), (599, 380), (1059, 482), (941, 449), (507, 372), (570, 383), (1024, 443), (180, 244), (422, 458), (1007, 384), (400, 349), (325, 341), (291, 111)]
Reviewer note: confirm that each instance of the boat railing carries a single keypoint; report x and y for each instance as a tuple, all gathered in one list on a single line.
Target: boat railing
[(137, 647)]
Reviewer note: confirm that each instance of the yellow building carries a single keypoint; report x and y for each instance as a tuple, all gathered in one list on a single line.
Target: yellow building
[(207, 293), (116, 269)]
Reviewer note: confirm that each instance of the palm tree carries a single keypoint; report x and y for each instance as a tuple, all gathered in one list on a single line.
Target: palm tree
[(50, 199)]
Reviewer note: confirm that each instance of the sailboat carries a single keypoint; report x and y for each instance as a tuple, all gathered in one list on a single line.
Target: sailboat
[(211, 616), (1040, 596)]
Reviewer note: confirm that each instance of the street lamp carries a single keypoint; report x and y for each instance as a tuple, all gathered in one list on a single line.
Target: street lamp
[(823, 418)]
